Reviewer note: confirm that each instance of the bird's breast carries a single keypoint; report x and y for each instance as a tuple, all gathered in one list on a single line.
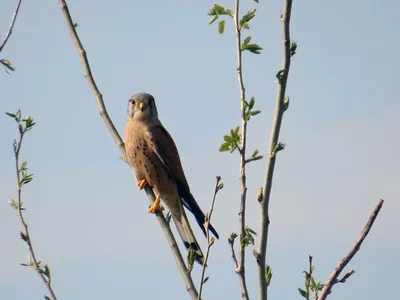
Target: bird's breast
[(145, 162)]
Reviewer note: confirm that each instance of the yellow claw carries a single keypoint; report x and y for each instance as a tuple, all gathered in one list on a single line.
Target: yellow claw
[(156, 206), (142, 184)]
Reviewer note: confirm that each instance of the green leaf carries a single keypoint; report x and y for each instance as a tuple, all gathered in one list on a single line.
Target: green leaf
[(206, 279), (7, 64), (257, 158), (286, 102), (257, 1), (213, 19), (24, 237), (247, 115), (250, 238), (255, 153), (218, 10), (247, 18), (221, 27), (313, 284), (248, 229), (28, 123), (245, 104), (293, 48), (46, 271), (268, 274), (25, 178), (278, 147), (18, 116), (10, 114), (47, 297), (253, 48), (252, 102), (23, 166), (190, 258), (246, 42), (256, 112), (302, 292), (237, 130), (13, 204), (228, 138), (224, 147)]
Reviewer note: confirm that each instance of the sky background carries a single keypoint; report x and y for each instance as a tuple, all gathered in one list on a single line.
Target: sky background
[(86, 217)]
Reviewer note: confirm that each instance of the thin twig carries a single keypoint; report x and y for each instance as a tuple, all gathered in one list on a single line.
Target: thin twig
[(333, 279), (32, 261), (10, 29), (231, 242), (210, 241), (308, 280), (103, 112), (274, 140), (242, 150)]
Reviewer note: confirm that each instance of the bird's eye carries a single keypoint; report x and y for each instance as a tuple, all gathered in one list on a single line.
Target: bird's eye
[(132, 101)]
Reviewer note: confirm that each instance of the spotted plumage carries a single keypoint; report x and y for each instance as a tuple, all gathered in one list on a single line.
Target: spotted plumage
[(154, 158)]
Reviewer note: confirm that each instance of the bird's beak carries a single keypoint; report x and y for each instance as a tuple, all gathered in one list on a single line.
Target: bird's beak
[(141, 106)]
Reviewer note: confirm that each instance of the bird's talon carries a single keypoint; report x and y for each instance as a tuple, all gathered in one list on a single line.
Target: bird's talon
[(142, 184), (156, 206)]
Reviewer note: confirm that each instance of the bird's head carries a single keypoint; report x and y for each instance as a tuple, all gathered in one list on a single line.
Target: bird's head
[(142, 107)]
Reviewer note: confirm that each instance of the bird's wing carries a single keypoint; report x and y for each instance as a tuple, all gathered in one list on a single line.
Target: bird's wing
[(163, 145)]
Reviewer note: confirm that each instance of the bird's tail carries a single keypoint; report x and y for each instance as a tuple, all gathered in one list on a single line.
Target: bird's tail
[(190, 203), (187, 236)]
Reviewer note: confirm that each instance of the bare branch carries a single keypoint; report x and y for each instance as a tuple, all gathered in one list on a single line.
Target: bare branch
[(231, 242), (281, 105), (210, 241), (333, 279), (242, 151), (103, 112), (10, 29)]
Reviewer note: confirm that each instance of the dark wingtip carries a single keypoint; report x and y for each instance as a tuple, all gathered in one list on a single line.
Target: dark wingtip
[(210, 227), (214, 232)]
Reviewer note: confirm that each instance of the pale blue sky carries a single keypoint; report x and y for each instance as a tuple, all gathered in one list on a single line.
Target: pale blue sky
[(87, 219)]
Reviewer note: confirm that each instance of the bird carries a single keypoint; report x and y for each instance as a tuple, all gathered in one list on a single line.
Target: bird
[(153, 156)]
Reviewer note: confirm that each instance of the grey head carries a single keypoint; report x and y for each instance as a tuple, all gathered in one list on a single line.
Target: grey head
[(142, 107)]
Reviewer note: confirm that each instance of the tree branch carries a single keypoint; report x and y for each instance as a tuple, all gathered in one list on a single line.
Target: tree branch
[(231, 242), (10, 29), (43, 272), (210, 241), (242, 151), (333, 279), (274, 140), (103, 112)]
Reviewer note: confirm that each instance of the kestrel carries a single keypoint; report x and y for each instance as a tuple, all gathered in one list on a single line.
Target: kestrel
[(154, 158)]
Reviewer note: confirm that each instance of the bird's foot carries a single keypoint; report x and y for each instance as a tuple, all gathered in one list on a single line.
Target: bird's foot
[(142, 184), (156, 206)]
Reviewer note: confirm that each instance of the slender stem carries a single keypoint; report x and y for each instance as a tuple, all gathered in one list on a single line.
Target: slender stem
[(308, 280), (113, 131), (235, 261), (333, 279), (33, 261), (10, 29), (243, 187), (210, 241), (274, 139)]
